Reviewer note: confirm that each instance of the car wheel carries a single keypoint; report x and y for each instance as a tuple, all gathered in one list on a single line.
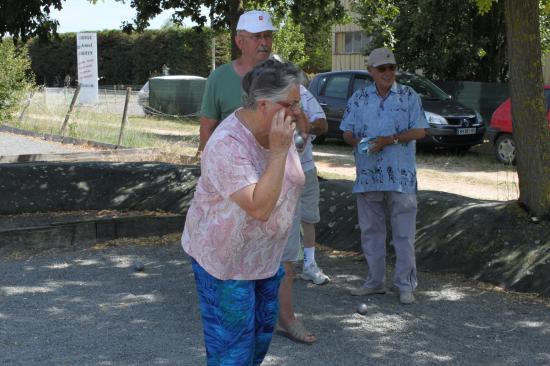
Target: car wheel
[(505, 149)]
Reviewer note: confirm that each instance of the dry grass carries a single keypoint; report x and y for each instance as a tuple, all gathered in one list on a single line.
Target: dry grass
[(102, 122)]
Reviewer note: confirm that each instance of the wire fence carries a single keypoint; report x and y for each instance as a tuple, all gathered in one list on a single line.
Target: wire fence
[(46, 109)]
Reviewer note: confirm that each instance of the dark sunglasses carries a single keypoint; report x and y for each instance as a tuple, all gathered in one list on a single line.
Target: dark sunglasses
[(383, 68)]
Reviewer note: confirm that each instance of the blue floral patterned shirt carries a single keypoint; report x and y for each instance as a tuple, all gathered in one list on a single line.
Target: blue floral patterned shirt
[(368, 115)]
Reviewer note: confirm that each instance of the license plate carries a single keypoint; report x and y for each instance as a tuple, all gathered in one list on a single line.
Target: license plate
[(466, 131)]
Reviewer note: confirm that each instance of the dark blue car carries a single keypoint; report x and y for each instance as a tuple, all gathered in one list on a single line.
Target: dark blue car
[(451, 123)]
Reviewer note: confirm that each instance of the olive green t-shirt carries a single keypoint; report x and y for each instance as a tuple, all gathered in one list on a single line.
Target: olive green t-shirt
[(222, 94)]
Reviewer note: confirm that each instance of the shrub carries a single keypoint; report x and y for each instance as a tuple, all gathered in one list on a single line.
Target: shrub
[(15, 78)]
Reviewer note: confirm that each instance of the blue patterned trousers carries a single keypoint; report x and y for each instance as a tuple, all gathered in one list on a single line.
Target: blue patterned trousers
[(238, 317)]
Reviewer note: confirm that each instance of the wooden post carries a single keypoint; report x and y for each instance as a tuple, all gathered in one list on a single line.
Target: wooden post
[(71, 107), (213, 51), (124, 119), (27, 104)]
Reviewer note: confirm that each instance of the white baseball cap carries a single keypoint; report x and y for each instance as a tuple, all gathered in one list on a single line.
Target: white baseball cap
[(255, 21)]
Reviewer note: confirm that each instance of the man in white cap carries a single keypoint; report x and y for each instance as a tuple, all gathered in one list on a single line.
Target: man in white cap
[(382, 122), (222, 94)]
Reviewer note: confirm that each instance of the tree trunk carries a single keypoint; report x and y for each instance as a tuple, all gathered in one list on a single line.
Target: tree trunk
[(531, 132), (235, 11)]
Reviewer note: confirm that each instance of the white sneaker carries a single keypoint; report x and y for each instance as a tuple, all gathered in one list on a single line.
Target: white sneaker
[(314, 274)]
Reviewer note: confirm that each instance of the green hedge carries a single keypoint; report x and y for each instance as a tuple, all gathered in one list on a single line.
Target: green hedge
[(130, 58)]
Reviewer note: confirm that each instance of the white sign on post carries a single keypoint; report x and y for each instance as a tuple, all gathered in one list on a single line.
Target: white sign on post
[(86, 56)]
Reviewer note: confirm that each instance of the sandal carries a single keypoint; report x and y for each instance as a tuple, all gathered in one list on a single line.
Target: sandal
[(296, 332)]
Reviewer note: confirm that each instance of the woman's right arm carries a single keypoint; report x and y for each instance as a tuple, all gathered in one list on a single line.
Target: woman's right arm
[(259, 200)]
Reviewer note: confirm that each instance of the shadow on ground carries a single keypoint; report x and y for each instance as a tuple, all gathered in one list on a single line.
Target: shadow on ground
[(486, 240)]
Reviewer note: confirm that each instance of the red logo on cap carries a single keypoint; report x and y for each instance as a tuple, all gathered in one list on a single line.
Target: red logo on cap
[(261, 17)]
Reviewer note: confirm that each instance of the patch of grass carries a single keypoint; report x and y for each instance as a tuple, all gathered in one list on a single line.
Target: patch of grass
[(102, 123)]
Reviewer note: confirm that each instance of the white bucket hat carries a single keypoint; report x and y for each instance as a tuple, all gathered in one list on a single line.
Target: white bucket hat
[(255, 21)]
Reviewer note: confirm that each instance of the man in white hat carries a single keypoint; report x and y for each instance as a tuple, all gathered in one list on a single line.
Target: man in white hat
[(382, 122), (222, 94)]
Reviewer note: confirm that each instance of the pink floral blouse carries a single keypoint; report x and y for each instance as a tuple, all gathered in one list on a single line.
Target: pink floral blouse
[(218, 234)]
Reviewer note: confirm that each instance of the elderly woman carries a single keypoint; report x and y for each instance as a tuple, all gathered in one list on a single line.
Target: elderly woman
[(240, 217)]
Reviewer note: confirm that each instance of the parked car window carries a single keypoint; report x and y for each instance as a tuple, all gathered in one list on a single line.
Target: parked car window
[(337, 86), (425, 88), (360, 81)]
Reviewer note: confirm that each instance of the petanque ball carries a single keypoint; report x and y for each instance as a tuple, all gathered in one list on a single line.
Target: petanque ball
[(139, 266), (362, 309), (299, 141)]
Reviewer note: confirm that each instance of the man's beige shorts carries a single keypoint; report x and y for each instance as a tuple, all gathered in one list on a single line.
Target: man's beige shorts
[(307, 210)]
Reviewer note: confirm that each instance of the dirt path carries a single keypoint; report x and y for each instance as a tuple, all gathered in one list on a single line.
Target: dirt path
[(475, 174)]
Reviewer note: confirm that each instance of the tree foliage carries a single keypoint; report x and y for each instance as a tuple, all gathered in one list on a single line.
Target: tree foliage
[(317, 48), (224, 14), (306, 24), (307, 47), (289, 42), (26, 19), (463, 40), (15, 79), (378, 19), (447, 42)]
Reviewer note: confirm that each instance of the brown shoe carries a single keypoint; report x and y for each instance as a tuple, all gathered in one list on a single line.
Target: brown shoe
[(363, 291)]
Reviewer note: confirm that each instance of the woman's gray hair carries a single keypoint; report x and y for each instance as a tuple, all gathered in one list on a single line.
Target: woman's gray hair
[(269, 80)]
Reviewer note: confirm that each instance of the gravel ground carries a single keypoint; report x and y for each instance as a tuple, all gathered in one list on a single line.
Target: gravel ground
[(12, 144), (90, 307)]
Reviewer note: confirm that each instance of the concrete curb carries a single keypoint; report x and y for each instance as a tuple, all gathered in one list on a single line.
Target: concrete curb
[(58, 138), (87, 232), (163, 190), (61, 187), (123, 155)]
